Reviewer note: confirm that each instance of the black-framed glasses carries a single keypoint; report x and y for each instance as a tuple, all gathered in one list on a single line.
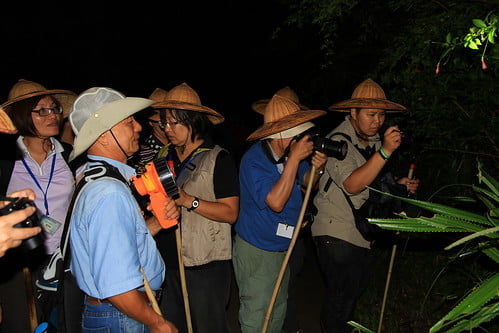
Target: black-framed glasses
[(43, 112)]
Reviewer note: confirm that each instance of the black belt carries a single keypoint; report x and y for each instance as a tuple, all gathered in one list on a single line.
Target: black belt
[(97, 301)]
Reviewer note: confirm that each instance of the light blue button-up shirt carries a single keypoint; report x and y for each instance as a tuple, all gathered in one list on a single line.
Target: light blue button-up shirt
[(109, 238)]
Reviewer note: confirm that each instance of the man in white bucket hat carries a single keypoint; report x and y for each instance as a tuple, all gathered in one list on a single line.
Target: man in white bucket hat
[(110, 242)]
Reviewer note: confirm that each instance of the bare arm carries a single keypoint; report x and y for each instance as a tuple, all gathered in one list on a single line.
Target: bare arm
[(281, 191), (366, 173), (221, 210), (133, 305)]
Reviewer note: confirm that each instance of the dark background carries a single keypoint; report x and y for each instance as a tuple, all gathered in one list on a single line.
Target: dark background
[(222, 49)]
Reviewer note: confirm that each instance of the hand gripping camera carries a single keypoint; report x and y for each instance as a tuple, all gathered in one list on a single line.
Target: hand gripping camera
[(32, 221), (159, 183), (336, 149)]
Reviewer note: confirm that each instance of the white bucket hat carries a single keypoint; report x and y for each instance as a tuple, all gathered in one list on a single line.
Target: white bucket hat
[(96, 111)]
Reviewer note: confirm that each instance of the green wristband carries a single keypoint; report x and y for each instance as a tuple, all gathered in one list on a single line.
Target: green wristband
[(383, 154)]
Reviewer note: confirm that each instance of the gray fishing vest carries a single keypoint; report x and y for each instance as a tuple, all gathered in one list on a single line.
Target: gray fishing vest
[(203, 240)]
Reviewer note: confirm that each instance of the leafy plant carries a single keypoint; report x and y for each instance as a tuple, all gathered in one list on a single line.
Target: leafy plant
[(479, 36), (482, 303)]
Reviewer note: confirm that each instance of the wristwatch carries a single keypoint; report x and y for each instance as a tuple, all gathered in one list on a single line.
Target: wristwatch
[(194, 204)]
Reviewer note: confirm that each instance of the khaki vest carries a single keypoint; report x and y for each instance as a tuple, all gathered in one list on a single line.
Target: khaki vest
[(203, 240)]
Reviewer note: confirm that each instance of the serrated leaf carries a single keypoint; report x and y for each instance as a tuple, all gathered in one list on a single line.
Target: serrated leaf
[(491, 182), (360, 327), (485, 314), (473, 236), (442, 209), (473, 302), (490, 194), (492, 253)]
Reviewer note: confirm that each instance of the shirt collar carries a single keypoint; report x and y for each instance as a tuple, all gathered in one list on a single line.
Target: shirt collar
[(57, 148)]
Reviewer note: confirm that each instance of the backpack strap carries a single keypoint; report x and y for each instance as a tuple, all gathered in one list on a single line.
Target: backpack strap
[(96, 172)]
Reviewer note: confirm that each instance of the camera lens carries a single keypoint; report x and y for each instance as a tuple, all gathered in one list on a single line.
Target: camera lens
[(336, 149)]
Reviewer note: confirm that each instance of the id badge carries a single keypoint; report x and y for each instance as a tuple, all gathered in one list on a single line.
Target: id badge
[(49, 225), (285, 230)]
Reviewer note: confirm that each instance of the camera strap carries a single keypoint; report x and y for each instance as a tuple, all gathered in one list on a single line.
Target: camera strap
[(366, 153), (270, 154)]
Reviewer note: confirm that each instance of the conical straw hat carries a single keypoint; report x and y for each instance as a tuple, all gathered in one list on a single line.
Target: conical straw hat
[(158, 95), (24, 89), (184, 97), (6, 125), (282, 114), (259, 106), (368, 95)]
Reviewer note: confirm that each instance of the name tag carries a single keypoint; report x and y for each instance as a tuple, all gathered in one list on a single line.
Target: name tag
[(49, 225), (285, 230)]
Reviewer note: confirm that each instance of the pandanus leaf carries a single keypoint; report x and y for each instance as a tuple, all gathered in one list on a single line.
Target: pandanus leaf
[(442, 209), (471, 303), (359, 327), (486, 232)]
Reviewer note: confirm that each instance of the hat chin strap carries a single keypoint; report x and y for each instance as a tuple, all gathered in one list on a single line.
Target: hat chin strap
[(121, 148)]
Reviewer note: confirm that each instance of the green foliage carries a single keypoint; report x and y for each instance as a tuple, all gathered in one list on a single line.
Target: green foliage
[(482, 304), (453, 117)]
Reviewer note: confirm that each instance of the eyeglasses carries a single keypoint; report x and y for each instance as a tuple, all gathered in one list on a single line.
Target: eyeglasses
[(170, 124), (154, 121), (43, 112)]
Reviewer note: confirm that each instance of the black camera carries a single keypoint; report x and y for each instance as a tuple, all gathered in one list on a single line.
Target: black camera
[(32, 221), (336, 149)]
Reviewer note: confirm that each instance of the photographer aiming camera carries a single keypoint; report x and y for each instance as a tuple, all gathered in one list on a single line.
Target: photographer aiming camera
[(344, 255), (271, 175)]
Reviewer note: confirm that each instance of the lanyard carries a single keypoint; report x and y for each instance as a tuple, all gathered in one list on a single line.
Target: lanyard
[(196, 153), (45, 201)]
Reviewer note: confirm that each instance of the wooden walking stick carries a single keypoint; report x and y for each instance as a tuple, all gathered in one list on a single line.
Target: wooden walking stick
[(390, 266), (30, 299), (150, 293), (289, 251), (181, 270)]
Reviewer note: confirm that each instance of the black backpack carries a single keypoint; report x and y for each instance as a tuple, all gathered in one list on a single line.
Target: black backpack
[(59, 297)]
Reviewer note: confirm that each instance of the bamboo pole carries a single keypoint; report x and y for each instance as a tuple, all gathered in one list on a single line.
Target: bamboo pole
[(178, 237), (289, 251), (30, 299), (150, 294), (385, 294)]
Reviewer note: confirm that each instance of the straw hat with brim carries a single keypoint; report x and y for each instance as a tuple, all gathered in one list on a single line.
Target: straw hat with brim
[(282, 114), (24, 89), (98, 110), (6, 125), (259, 106), (368, 95), (183, 97), (158, 95)]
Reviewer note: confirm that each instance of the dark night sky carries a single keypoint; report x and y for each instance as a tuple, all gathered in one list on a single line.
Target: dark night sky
[(222, 49)]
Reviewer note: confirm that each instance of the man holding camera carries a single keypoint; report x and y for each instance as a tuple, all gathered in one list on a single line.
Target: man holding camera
[(272, 173), (345, 257), (110, 243)]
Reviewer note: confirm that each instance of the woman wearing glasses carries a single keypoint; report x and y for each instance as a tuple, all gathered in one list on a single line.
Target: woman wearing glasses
[(156, 139), (36, 160), (209, 199)]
